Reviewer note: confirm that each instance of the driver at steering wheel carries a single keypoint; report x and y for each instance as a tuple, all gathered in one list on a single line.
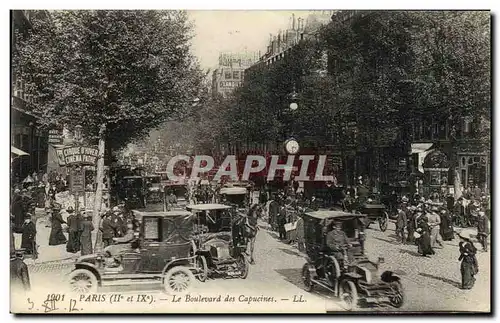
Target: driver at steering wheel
[(336, 241), (121, 245)]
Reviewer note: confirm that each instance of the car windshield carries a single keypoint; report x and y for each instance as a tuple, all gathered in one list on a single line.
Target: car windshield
[(132, 182), (154, 180), (238, 199), (215, 220), (179, 191)]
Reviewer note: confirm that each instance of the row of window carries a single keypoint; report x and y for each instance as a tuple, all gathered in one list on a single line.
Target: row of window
[(442, 130), (19, 90), (229, 84), (236, 75)]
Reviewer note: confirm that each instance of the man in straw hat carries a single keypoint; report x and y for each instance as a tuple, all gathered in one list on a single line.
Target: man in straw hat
[(434, 222)]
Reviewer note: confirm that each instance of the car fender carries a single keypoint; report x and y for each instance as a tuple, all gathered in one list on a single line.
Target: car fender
[(175, 262), (388, 277), (368, 274), (90, 267), (336, 265)]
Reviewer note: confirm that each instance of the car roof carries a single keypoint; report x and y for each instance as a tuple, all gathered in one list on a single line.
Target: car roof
[(233, 190), (135, 176), (207, 207), (333, 214), (173, 213)]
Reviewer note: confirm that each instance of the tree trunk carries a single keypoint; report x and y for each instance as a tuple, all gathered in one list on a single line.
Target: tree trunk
[(98, 193), (456, 184)]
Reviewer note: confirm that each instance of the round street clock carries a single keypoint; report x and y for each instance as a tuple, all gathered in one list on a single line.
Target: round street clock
[(292, 146)]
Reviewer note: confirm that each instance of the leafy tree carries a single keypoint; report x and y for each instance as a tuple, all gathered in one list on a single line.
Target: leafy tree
[(128, 70), (117, 73)]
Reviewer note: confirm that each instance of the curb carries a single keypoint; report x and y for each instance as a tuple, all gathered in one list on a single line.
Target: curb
[(50, 262)]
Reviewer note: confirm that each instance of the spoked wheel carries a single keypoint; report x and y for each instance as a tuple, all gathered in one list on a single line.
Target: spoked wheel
[(243, 266), (398, 298), (82, 281), (178, 280), (201, 268), (349, 295), (306, 278), (383, 221)]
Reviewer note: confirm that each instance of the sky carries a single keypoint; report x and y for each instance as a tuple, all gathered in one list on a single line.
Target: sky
[(235, 31)]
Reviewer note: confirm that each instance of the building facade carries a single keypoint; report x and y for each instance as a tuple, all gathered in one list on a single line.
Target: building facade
[(230, 72), (25, 135)]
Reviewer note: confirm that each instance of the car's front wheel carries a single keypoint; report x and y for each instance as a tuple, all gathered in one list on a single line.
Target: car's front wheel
[(178, 280), (83, 281), (349, 295), (306, 278), (243, 266)]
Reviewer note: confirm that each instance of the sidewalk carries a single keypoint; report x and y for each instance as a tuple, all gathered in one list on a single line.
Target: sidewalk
[(46, 253)]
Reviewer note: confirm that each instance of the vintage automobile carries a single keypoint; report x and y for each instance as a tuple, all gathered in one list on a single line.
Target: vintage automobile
[(391, 196), (374, 211), (219, 241), (236, 195), (162, 251), (133, 190), (353, 278), (180, 191), (154, 188)]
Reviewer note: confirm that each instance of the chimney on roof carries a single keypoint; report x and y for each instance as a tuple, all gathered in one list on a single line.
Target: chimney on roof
[(293, 21)]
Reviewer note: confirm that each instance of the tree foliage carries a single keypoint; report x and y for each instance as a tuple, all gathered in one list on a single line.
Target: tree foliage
[(386, 69), (130, 70)]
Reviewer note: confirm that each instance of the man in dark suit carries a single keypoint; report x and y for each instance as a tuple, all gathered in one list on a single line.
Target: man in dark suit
[(29, 235), (483, 230), (19, 275), (108, 230)]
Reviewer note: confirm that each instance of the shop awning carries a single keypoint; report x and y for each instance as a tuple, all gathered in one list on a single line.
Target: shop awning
[(420, 147), (17, 151), (422, 150)]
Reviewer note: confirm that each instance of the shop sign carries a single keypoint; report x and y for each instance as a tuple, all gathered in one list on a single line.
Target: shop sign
[(79, 155), (55, 136)]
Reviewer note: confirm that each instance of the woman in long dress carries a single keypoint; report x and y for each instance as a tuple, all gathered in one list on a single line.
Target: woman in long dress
[(56, 233), (446, 226), (468, 267), (86, 228), (425, 238)]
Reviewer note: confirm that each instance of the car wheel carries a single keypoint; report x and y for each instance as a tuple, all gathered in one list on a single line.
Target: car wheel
[(83, 281), (397, 299), (383, 221), (178, 280), (201, 268), (349, 295), (306, 278), (243, 266)]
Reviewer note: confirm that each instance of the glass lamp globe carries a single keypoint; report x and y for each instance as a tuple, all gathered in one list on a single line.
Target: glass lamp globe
[(294, 106)]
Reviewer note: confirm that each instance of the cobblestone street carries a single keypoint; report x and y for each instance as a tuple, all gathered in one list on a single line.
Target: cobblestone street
[(431, 284)]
